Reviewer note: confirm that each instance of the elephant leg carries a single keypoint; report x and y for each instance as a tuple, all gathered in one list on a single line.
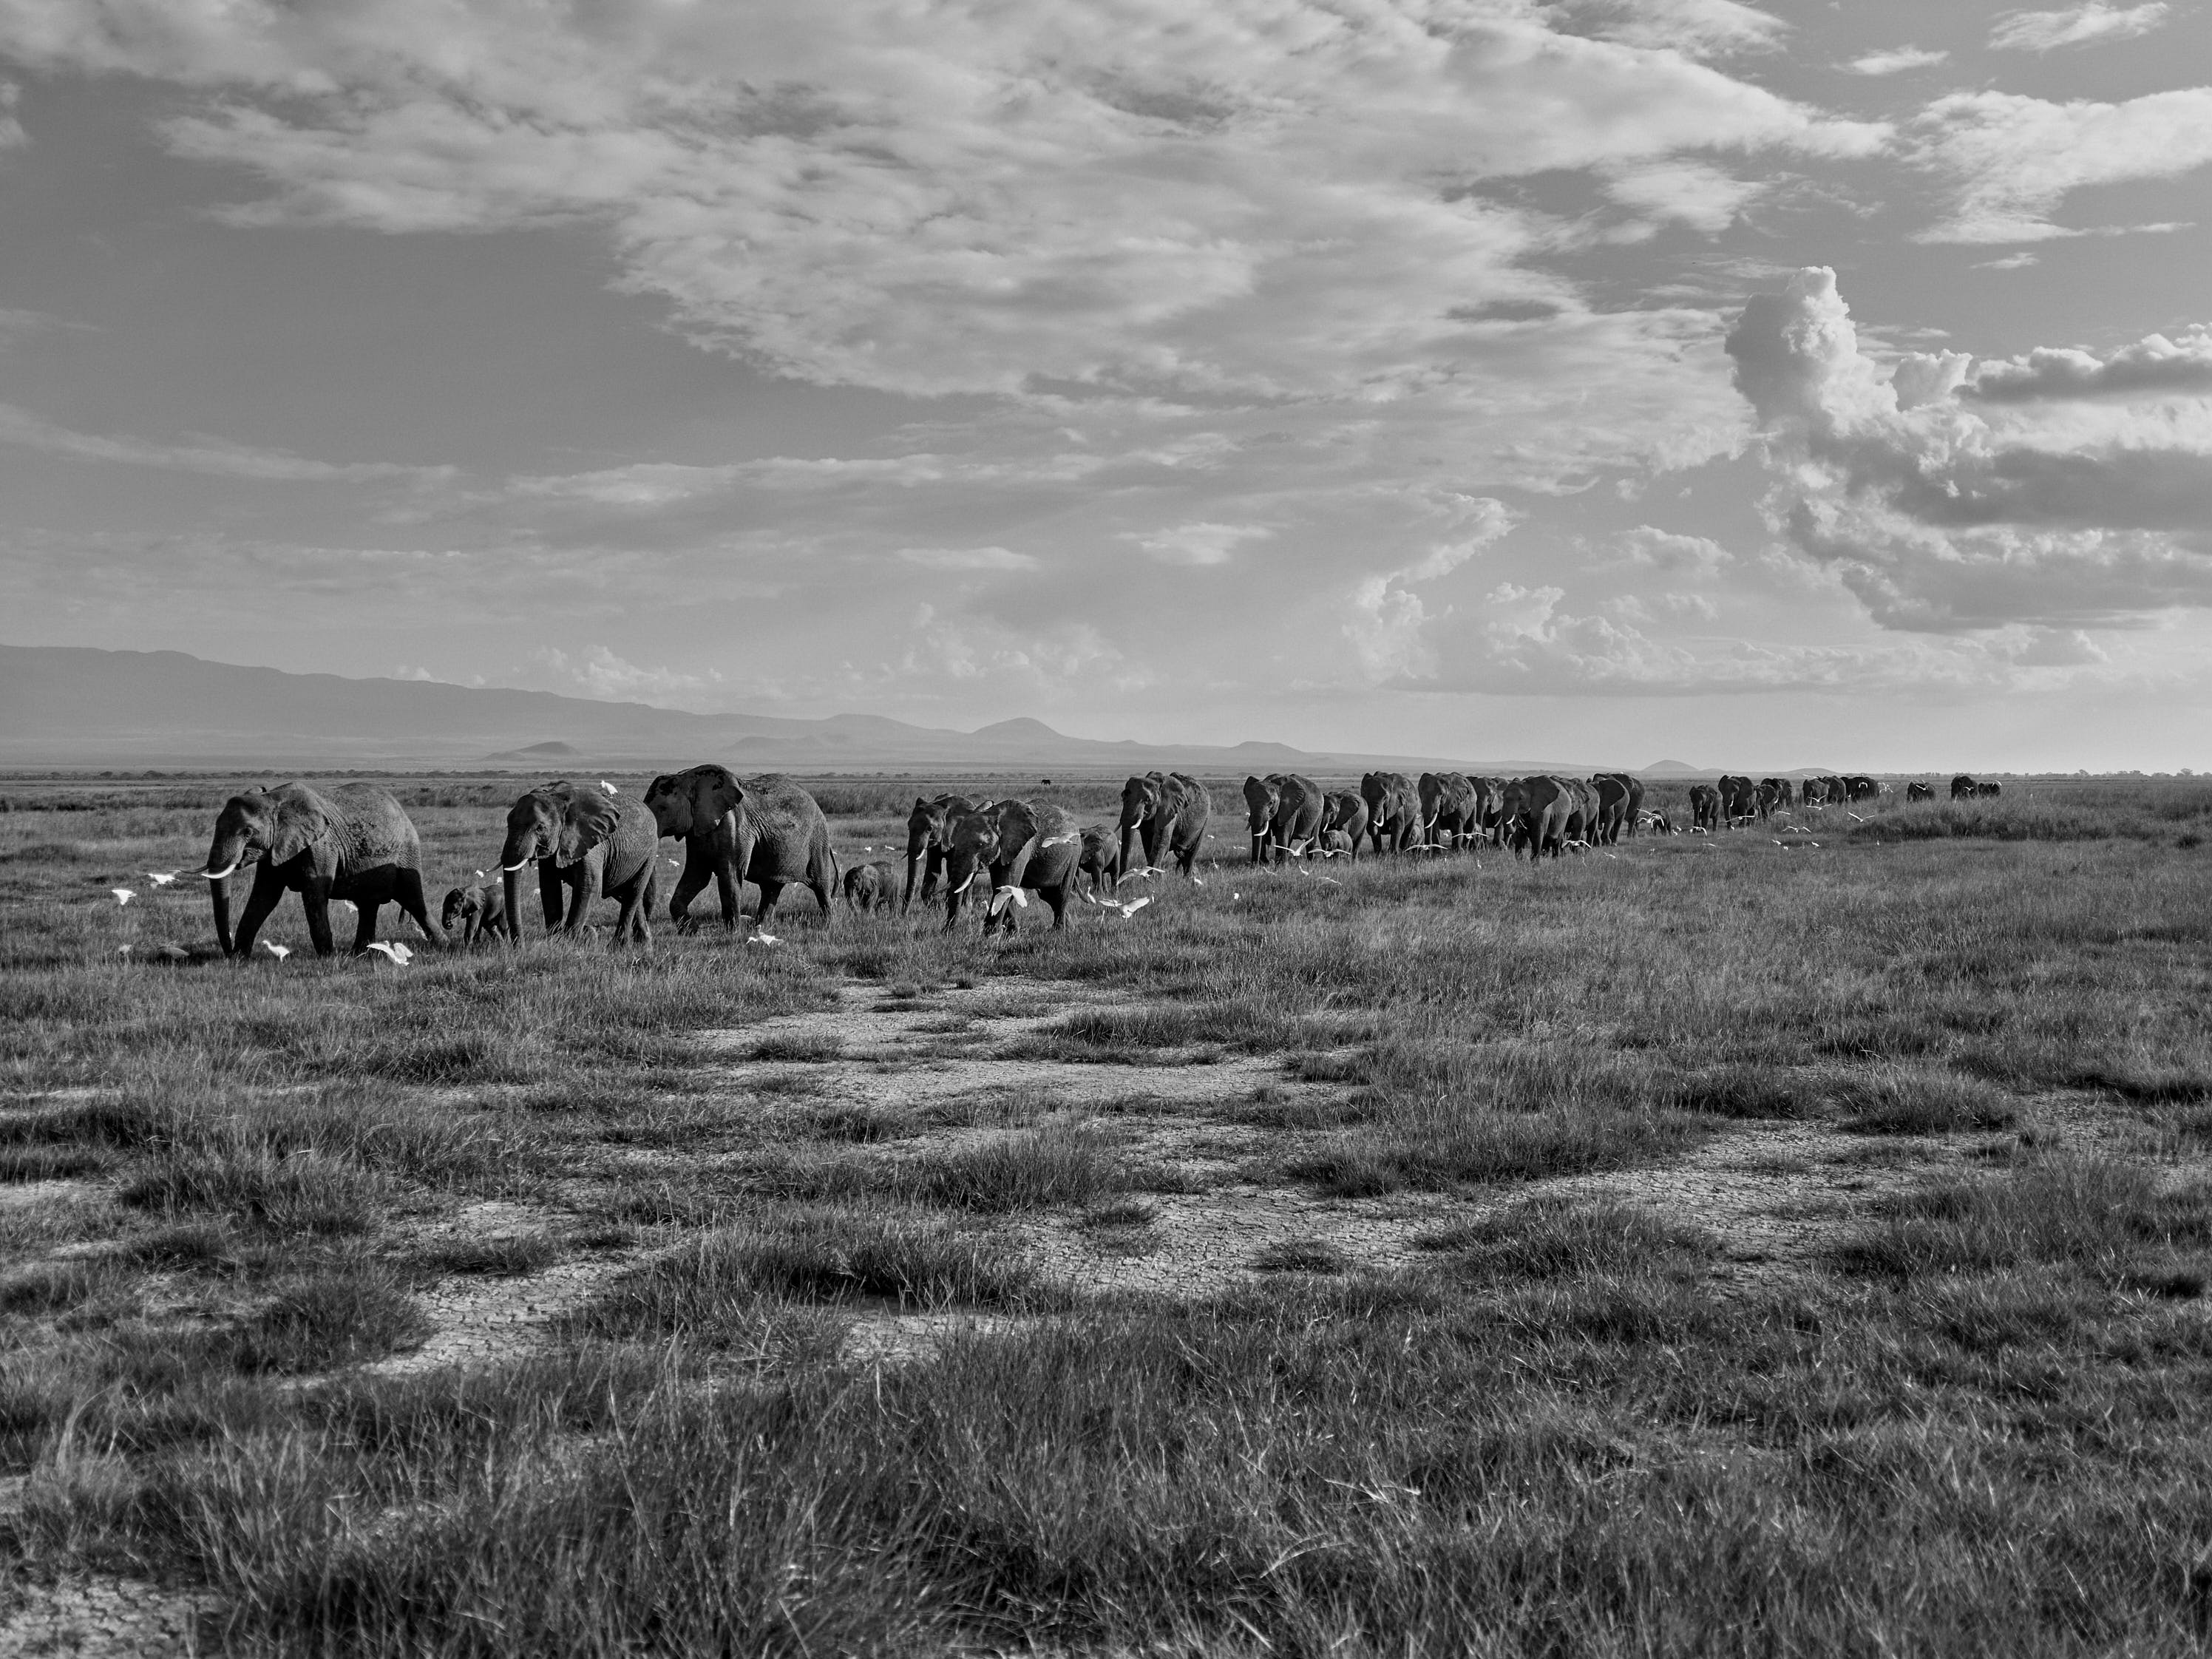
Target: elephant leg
[(1057, 898), (410, 898), (581, 893), (688, 885), (726, 887), (771, 891), (268, 887), (364, 932), (550, 892)]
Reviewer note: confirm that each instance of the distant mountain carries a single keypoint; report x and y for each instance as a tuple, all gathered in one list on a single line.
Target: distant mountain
[(68, 706)]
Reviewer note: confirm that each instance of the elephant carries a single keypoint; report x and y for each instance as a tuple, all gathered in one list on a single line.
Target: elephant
[(766, 830), (1448, 809), (1345, 813), (1613, 806), (1283, 811), (928, 838), (1704, 808), (1739, 800), (1918, 791), (355, 843), (1168, 812), (1632, 809), (1837, 794), (589, 844), (1012, 845), (1860, 789), (870, 887), (1989, 790), (1813, 792), (1581, 826), (1393, 811), (1336, 844), (1535, 812), (1775, 794), (479, 909), (1964, 787), (1490, 806), (1100, 860)]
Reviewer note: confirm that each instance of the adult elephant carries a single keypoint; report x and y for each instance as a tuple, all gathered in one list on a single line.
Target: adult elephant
[(1012, 845), (1448, 809), (1631, 789), (1166, 813), (1739, 800), (1918, 791), (928, 837), (1858, 786), (1838, 792), (1988, 791), (586, 846), (1964, 787), (1537, 813), (1813, 792), (1393, 811), (1344, 814), (1283, 811), (1614, 807), (766, 830), (354, 844), (1704, 808), (1489, 807)]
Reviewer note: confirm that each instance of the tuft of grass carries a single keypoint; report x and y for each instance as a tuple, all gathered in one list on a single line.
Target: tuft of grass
[(1061, 1161), (1119, 1213), (27, 1163), (1901, 1100), (793, 1047), (1747, 1091), (1300, 1255), (2092, 1213), (309, 1193), (325, 1320), (47, 1287), (1437, 1142), (508, 1257), (1555, 1238)]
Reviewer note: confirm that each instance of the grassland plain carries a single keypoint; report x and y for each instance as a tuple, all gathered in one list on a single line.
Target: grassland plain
[(1737, 1245)]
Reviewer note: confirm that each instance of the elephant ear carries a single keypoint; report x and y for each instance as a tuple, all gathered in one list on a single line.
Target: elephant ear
[(300, 822), (588, 818), (714, 790)]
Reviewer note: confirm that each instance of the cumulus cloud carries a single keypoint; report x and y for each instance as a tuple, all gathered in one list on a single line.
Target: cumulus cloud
[(1677, 555), (1702, 197), (1895, 61), (2075, 26), (1702, 29), (1199, 544), (2154, 367), (1943, 512), (2010, 160)]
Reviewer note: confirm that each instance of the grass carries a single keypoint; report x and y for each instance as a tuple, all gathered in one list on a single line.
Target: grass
[(1971, 1422)]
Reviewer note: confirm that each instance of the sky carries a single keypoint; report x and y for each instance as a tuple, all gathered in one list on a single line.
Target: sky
[(1808, 384)]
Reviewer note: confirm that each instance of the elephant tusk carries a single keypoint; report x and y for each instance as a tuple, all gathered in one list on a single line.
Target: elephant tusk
[(219, 875), (509, 869)]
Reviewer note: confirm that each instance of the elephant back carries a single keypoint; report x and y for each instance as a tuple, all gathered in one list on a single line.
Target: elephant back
[(369, 829), (786, 828), (1057, 849), (633, 844), (1192, 809)]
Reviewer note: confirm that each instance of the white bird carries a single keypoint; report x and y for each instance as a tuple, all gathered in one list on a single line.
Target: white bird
[(1006, 896), (867, 849), (609, 787), (1147, 872), (1330, 881), (1061, 840), (1855, 817), (400, 954), (122, 949), (160, 880), (279, 951), (1197, 882), (1130, 908), (675, 863), (1233, 897), (480, 875), (123, 894), (342, 904), (764, 939)]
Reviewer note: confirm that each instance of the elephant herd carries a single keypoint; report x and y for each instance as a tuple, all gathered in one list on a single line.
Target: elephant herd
[(355, 845)]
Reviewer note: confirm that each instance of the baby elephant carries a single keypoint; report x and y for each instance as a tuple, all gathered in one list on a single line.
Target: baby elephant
[(479, 909), (871, 887)]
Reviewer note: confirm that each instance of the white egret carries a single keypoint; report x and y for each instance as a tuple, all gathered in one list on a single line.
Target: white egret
[(399, 954), (160, 880), (279, 951), (123, 894)]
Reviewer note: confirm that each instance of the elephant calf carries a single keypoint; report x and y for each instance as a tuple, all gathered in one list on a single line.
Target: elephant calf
[(479, 909), (871, 887)]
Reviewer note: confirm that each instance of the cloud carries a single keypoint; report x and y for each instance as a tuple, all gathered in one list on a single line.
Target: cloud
[(1895, 61), (1199, 544), (1252, 199), (1943, 513), (2009, 261), (21, 426), (12, 135), (2075, 26), (2009, 159), (598, 672), (2152, 367), (1701, 196), (968, 558), (1661, 549)]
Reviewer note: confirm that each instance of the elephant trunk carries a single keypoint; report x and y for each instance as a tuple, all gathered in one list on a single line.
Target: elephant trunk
[(914, 856), (223, 858), (1129, 838), (510, 876), (219, 897)]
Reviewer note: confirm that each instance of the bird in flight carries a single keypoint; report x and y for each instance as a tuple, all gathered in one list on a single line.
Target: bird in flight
[(123, 894), (1006, 896), (160, 880), (400, 954), (764, 939)]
